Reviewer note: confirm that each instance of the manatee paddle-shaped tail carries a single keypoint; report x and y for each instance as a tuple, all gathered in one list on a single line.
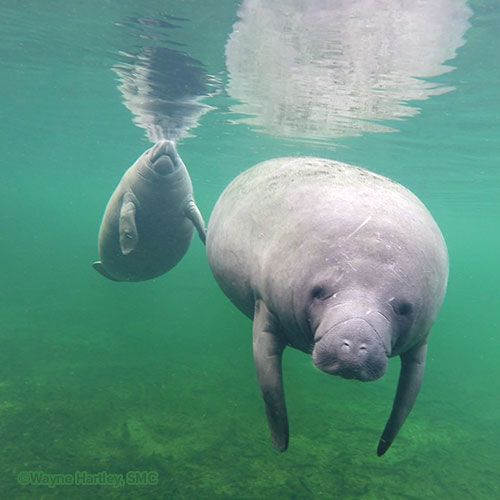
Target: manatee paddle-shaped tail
[(410, 380), (268, 350), (98, 266)]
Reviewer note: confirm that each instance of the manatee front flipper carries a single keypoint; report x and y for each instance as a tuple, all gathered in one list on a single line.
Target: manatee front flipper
[(194, 215), (267, 351), (127, 227), (410, 380)]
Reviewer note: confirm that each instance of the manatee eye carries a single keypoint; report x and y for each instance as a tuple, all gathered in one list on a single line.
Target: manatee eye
[(405, 309), (321, 293), (401, 308)]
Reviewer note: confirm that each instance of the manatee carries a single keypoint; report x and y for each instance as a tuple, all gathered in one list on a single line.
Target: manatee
[(150, 218), (335, 261)]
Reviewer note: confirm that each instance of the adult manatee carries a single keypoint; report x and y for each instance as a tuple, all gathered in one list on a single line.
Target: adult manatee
[(149, 221), (335, 261)]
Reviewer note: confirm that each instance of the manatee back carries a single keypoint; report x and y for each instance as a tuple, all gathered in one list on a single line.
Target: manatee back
[(280, 221)]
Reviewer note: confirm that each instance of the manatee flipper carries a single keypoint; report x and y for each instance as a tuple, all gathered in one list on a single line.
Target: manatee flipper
[(127, 227), (410, 380), (102, 270), (267, 351), (194, 215)]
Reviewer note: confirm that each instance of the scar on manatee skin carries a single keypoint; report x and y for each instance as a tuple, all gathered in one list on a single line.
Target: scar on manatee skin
[(359, 227)]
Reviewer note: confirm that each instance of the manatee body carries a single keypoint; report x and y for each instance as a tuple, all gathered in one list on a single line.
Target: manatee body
[(335, 261), (149, 221)]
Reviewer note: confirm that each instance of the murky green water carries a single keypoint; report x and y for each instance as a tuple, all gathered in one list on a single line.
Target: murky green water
[(103, 377)]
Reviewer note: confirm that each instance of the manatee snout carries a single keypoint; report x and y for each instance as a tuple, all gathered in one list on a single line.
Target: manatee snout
[(351, 349), (162, 157)]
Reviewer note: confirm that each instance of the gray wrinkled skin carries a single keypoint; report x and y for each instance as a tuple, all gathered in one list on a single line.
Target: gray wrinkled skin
[(335, 261), (148, 223)]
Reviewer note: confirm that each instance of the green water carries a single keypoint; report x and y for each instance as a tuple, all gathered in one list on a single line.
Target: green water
[(158, 376)]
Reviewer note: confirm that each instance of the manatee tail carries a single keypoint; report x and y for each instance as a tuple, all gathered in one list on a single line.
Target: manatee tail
[(410, 380), (102, 270)]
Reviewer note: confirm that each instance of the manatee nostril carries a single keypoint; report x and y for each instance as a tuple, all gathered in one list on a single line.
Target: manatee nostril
[(159, 149), (351, 349)]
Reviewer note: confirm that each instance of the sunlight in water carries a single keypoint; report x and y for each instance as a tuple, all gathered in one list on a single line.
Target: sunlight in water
[(320, 69)]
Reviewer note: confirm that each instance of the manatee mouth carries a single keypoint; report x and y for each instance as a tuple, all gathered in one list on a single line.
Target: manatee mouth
[(352, 350), (163, 165), (350, 372)]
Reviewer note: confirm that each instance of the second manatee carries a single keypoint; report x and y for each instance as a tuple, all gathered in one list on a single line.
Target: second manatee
[(150, 218)]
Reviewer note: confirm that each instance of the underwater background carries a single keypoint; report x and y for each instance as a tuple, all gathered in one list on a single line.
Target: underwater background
[(158, 376)]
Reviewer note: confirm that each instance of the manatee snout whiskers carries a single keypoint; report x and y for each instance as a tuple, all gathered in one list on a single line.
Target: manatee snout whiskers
[(351, 349)]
